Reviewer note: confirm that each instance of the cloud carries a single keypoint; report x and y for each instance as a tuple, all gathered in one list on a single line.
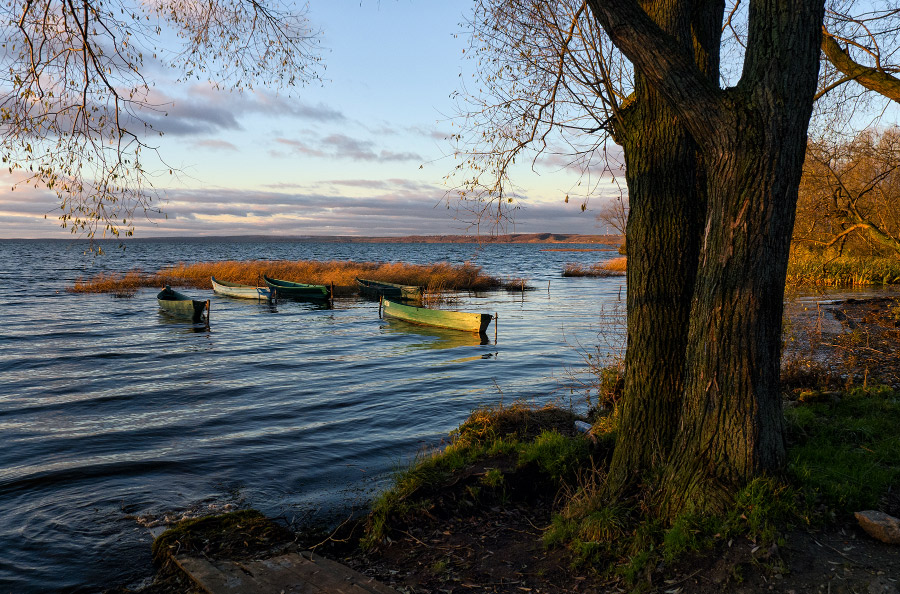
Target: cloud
[(216, 144), (341, 146), (390, 207), (203, 110)]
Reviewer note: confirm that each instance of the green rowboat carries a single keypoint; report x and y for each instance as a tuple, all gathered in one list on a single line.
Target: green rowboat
[(455, 320), (181, 305), (375, 288), (241, 291), (298, 290)]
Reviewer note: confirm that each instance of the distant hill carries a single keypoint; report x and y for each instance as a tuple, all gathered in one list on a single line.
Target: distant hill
[(508, 238)]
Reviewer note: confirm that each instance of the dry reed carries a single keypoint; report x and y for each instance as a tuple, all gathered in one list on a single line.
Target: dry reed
[(614, 267), (441, 276), (810, 270)]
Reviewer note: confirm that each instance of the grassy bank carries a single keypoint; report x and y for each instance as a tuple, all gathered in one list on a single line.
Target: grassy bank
[(614, 267), (843, 457), (810, 270), (434, 277)]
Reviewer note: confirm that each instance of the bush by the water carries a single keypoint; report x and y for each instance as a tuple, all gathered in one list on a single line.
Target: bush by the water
[(614, 267)]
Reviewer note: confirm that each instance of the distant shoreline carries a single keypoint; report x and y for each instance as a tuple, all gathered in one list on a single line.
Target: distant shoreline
[(506, 238)]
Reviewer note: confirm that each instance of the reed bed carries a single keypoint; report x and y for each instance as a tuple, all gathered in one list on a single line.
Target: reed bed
[(614, 267), (516, 285), (438, 277), (808, 270)]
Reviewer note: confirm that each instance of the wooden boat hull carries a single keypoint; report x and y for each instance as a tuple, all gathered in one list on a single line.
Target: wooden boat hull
[(285, 288), (455, 320), (240, 291), (376, 289), (181, 305)]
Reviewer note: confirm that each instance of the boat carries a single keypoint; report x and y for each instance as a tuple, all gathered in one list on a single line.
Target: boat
[(376, 288), (455, 320), (298, 290), (181, 305), (241, 291)]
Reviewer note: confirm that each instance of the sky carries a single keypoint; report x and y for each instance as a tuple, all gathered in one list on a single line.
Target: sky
[(364, 153)]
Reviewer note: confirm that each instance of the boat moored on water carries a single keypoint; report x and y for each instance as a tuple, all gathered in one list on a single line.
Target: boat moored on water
[(441, 318), (241, 291), (181, 305), (298, 290), (374, 288)]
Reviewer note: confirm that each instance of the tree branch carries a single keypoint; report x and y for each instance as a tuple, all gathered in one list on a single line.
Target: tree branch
[(871, 78), (668, 64)]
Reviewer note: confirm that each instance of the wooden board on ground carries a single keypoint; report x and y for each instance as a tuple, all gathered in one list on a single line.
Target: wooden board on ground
[(293, 573)]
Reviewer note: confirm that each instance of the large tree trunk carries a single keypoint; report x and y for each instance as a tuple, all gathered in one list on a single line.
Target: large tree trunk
[(666, 189), (732, 422), (664, 222), (752, 139)]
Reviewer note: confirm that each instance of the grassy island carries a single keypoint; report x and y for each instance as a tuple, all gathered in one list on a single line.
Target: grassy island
[(441, 276)]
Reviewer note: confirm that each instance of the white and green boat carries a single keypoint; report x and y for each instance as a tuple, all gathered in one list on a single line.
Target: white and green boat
[(241, 291), (441, 318)]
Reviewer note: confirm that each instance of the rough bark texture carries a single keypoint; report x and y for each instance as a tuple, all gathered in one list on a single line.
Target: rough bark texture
[(752, 139), (667, 204), (732, 423)]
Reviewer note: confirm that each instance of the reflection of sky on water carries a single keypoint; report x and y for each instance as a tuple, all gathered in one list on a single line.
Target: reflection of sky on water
[(110, 404)]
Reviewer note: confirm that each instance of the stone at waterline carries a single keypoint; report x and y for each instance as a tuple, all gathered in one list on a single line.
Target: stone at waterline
[(880, 526)]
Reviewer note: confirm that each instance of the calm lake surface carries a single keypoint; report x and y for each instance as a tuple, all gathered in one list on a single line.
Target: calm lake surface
[(116, 418)]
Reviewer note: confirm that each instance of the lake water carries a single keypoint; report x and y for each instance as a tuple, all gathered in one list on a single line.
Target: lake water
[(116, 418)]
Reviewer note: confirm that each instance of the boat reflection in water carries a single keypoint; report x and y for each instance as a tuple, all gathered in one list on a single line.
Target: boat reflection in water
[(442, 338), (182, 325)]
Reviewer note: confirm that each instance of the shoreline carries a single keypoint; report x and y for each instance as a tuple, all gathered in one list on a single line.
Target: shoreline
[(495, 541), (549, 238)]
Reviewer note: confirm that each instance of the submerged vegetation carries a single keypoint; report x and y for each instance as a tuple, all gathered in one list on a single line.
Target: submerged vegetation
[(442, 276)]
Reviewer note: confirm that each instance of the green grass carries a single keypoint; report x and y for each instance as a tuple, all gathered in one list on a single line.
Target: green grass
[(845, 454), (519, 435)]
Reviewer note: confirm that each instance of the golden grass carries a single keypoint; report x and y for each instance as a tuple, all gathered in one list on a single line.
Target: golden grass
[(614, 267), (441, 276), (810, 270)]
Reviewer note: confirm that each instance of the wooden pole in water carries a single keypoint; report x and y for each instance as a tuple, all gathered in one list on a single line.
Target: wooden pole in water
[(207, 313), (380, 300), (495, 327), (331, 294), (548, 288)]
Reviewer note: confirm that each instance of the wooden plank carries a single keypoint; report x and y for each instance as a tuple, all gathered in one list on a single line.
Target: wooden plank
[(290, 574)]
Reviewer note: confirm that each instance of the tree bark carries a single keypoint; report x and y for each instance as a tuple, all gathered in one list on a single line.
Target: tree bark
[(732, 427), (667, 203), (873, 79), (753, 140)]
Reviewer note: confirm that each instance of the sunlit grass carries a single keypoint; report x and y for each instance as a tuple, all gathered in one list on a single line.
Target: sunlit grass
[(441, 276), (614, 267), (806, 269)]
